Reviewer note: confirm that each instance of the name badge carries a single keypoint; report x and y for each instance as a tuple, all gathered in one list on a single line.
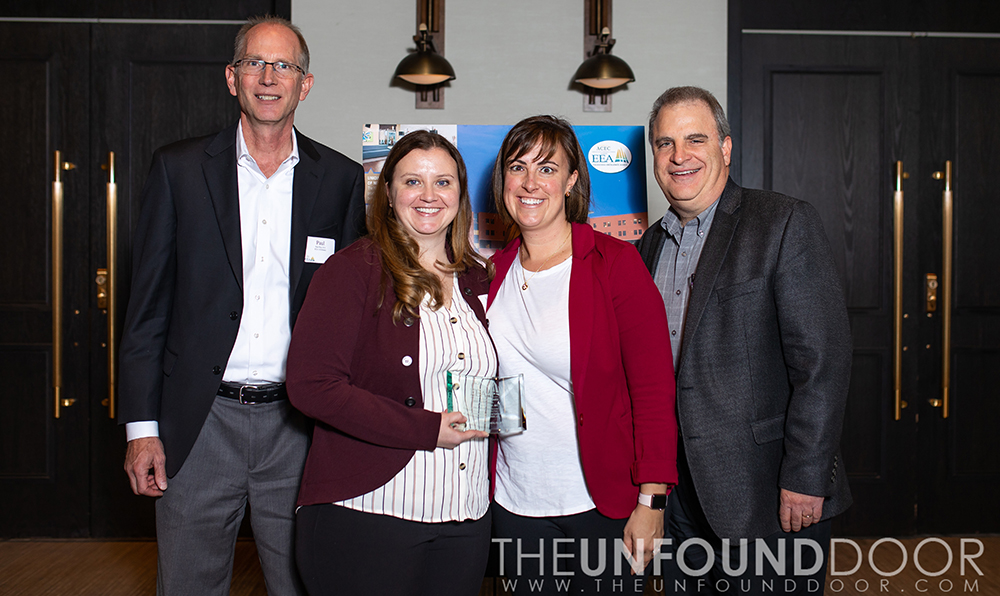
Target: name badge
[(318, 250)]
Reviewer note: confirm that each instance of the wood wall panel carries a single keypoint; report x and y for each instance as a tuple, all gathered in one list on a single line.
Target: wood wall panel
[(146, 9), (159, 113), (825, 147), (25, 403), (975, 410), (862, 442), (977, 196), (24, 264), (871, 15)]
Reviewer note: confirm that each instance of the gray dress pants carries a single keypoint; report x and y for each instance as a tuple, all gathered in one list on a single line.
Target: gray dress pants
[(253, 453)]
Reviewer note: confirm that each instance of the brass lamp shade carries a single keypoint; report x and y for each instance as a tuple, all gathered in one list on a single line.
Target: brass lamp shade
[(424, 68), (604, 71)]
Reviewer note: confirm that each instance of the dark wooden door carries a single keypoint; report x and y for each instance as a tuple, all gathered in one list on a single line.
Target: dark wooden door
[(825, 119), (960, 122), (87, 90), (43, 459)]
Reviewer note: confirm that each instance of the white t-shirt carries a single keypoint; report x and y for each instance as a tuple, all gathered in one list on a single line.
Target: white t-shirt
[(539, 472)]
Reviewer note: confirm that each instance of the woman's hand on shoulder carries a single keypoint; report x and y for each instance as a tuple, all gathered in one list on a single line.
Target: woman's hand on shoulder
[(450, 437)]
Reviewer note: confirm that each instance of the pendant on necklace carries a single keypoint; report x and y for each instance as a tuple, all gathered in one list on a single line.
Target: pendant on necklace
[(524, 286)]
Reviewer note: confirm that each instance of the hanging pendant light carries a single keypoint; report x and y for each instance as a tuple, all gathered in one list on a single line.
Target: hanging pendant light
[(425, 66), (604, 70)]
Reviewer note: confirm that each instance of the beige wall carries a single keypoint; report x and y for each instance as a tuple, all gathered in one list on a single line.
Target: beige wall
[(513, 58)]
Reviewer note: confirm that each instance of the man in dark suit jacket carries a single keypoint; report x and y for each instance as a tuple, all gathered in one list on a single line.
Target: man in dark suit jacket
[(231, 230), (762, 359)]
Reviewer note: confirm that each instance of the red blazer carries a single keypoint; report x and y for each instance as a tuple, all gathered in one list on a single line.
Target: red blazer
[(622, 369), (356, 372)]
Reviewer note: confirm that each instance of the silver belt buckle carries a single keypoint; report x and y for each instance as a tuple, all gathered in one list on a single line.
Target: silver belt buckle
[(242, 387)]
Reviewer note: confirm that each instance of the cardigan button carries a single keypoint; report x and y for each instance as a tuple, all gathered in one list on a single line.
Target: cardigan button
[(216, 370), (408, 321), (407, 361), (410, 402), (468, 291), (234, 315)]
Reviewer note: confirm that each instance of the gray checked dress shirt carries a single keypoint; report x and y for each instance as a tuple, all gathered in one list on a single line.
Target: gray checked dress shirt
[(676, 270)]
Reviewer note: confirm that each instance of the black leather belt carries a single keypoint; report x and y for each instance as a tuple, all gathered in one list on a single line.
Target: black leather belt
[(254, 394)]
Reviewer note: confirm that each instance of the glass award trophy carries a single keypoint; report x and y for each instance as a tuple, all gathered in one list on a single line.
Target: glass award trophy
[(490, 404)]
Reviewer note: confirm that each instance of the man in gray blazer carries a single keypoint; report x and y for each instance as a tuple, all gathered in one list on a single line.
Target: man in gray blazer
[(762, 354), (231, 230)]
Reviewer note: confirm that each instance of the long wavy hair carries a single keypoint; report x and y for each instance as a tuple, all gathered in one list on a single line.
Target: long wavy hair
[(400, 253)]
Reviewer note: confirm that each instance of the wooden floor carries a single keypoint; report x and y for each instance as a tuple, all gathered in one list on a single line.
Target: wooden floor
[(107, 568), (102, 568)]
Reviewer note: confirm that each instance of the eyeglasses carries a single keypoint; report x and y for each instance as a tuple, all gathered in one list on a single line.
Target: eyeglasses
[(254, 66)]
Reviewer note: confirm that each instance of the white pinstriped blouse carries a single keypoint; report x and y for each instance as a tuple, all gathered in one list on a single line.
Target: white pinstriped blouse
[(444, 484)]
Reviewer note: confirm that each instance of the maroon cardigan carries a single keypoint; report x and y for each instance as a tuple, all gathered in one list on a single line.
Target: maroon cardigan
[(621, 367), (356, 372)]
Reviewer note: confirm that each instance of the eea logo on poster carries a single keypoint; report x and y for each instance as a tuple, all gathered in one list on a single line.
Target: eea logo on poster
[(609, 157)]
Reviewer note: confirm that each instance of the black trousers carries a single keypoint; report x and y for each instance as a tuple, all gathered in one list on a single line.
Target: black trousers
[(345, 552), (693, 539), (569, 554)]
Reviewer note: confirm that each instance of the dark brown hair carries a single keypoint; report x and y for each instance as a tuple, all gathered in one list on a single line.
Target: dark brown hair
[(549, 134), (676, 95), (400, 253)]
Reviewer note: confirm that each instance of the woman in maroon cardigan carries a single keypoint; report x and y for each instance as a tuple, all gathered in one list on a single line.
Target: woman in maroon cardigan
[(577, 313), (389, 480)]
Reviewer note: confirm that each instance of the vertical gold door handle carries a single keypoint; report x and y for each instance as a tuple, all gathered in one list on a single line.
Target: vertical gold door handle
[(897, 287), (57, 283), (947, 228), (111, 275)]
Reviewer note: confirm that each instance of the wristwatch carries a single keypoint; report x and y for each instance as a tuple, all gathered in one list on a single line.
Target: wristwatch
[(658, 502)]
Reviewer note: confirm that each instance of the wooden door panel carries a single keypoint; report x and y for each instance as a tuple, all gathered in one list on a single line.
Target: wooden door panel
[(962, 83), (977, 190), (173, 100), (24, 276), (974, 416), (43, 463), (130, 9), (24, 436), (832, 118), (865, 452)]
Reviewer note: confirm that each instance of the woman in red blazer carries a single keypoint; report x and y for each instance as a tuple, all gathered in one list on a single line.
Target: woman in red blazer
[(577, 313)]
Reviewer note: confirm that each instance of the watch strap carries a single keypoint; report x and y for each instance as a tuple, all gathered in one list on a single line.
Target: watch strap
[(658, 502)]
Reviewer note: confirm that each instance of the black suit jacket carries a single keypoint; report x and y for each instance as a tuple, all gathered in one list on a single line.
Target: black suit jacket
[(765, 362), (187, 281)]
